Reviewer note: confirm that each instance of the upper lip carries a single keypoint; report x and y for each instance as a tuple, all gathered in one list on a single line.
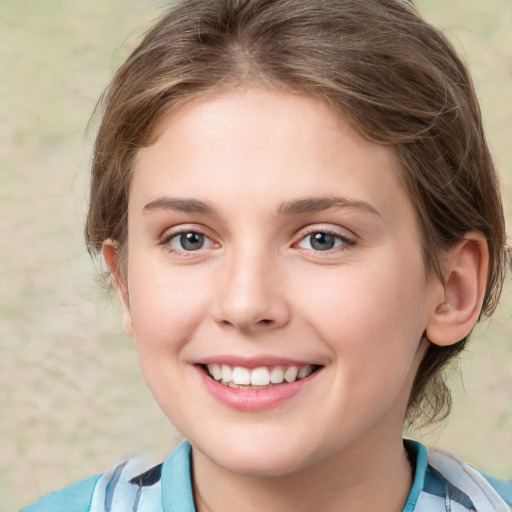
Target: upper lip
[(254, 362)]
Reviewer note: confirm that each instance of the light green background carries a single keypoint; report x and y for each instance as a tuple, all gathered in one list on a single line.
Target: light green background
[(72, 398)]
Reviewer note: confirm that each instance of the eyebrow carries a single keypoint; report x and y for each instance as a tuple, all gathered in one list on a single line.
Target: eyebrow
[(178, 204), (315, 204), (298, 206)]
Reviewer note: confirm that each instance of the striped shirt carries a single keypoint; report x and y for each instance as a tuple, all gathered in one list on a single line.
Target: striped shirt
[(442, 483)]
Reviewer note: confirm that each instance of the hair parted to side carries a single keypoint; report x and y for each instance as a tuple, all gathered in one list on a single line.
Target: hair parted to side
[(375, 62)]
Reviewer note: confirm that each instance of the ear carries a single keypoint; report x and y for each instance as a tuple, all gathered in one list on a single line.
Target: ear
[(109, 251), (457, 306)]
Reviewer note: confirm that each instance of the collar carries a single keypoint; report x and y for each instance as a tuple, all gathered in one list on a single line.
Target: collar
[(177, 494), (419, 460)]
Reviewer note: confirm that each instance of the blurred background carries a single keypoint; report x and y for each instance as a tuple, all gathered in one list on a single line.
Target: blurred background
[(72, 398)]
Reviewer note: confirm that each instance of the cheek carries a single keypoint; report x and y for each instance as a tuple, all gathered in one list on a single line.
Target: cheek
[(373, 328), (373, 313), (165, 306), (166, 309)]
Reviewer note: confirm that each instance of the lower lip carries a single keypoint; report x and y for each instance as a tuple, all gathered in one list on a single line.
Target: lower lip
[(255, 399)]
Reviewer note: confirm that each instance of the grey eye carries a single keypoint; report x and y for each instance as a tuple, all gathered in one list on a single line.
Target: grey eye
[(188, 241), (322, 241)]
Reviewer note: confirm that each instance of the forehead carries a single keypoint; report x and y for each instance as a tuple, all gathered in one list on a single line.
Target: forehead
[(264, 146)]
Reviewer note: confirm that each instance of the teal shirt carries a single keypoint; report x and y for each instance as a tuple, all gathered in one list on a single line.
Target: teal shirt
[(441, 483), (73, 498)]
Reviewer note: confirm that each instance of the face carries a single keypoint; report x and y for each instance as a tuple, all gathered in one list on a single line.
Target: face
[(275, 286)]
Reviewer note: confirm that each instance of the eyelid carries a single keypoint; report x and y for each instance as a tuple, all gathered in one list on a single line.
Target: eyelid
[(181, 229), (340, 233)]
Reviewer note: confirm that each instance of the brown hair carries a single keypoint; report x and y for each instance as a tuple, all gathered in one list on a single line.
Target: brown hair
[(376, 62)]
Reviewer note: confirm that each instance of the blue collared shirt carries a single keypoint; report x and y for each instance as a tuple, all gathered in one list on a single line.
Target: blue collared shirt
[(441, 483)]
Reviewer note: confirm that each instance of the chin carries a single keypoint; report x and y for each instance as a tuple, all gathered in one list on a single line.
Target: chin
[(261, 458), (267, 464)]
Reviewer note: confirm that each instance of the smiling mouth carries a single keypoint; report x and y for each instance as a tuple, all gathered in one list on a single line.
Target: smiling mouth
[(264, 377)]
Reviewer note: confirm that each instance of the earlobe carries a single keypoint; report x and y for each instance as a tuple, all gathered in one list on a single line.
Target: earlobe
[(457, 308), (110, 255)]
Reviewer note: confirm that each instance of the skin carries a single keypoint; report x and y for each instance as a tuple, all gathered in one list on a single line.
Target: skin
[(257, 287)]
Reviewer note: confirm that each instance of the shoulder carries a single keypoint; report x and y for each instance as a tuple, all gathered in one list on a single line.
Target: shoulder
[(133, 485), (123, 488), (451, 484), (485, 492), (442, 482), (73, 498), (502, 486)]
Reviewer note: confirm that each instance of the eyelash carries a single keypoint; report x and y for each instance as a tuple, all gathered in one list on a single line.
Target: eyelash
[(341, 241), (167, 241), (344, 241)]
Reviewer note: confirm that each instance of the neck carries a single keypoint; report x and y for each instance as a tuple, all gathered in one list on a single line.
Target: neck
[(374, 474)]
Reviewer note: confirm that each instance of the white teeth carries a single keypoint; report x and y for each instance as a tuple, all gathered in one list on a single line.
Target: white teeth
[(260, 377), (235, 376), (305, 371), (215, 371), (241, 375), (290, 375), (277, 375), (226, 373)]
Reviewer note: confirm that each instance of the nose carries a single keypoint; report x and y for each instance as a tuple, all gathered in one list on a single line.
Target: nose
[(251, 295)]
